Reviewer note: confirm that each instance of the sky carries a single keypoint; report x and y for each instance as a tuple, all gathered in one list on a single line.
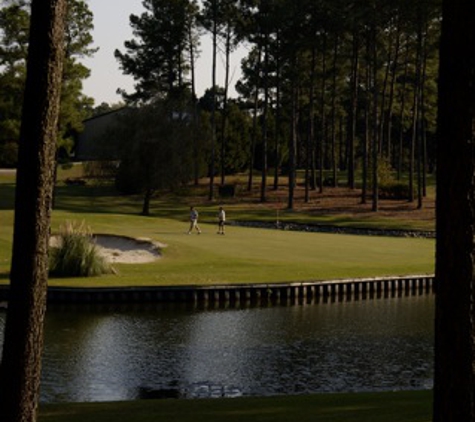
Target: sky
[(111, 29)]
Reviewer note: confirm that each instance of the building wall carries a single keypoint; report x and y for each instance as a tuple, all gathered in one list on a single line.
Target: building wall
[(92, 143)]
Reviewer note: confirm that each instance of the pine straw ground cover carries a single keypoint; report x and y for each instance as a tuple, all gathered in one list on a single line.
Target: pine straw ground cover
[(338, 206)]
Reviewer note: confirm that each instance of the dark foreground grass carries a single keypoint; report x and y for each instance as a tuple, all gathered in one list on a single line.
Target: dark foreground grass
[(405, 406)]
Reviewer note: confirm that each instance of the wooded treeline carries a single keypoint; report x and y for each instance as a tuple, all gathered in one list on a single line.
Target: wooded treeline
[(14, 39), (328, 87), (344, 91)]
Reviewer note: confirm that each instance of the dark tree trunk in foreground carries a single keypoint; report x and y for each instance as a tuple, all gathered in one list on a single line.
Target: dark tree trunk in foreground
[(454, 377), (23, 345)]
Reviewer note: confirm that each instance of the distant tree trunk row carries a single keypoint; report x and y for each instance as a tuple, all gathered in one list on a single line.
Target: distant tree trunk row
[(374, 85), (360, 78)]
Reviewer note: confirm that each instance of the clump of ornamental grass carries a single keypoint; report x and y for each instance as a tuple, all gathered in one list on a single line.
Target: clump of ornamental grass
[(75, 254)]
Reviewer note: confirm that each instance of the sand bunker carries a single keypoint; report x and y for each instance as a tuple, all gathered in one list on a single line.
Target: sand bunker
[(122, 249), (127, 250)]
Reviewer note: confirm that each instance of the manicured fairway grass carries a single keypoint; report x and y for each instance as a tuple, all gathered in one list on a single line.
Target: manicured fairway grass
[(243, 255), (414, 406)]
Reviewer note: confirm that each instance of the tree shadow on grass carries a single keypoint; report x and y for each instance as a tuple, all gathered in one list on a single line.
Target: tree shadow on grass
[(105, 199), (7, 196)]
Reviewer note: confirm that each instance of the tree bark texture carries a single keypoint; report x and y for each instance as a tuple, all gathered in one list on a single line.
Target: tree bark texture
[(454, 386), (21, 365)]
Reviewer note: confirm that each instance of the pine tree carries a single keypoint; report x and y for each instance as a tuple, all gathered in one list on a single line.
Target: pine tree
[(23, 345)]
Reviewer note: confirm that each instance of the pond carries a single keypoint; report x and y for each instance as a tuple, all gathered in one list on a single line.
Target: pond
[(95, 353)]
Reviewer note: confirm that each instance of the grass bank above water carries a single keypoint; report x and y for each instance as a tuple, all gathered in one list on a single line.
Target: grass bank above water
[(405, 406)]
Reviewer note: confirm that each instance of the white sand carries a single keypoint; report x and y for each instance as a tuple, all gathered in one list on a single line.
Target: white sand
[(124, 250)]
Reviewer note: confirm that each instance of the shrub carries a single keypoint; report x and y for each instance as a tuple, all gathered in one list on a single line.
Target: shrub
[(75, 182), (100, 169), (8, 154), (394, 190), (76, 255), (385, 173), (129, 179), (328, 181), (227, 191)]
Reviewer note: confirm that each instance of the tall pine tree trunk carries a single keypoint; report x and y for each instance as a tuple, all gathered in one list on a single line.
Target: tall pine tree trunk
[(423, 133), (415, 115), (293, 138), (383, 89), (321, 146), (194, 106), (375, 126), (212, 164), (225, 104), (23, 342), (392, 85), (333, 116), (264, 121), (354, 82), (454, 375), (402, 111), (277, 127), (254, 124), (310, 147), (368, 133)]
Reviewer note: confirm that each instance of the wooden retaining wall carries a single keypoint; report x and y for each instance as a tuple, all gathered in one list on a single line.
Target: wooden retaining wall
[(349, 289)]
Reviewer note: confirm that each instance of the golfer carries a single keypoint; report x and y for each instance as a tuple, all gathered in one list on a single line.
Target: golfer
[(194, 221), (221, 220)]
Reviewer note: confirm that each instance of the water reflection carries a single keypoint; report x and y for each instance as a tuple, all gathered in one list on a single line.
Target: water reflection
[(118, 353)]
